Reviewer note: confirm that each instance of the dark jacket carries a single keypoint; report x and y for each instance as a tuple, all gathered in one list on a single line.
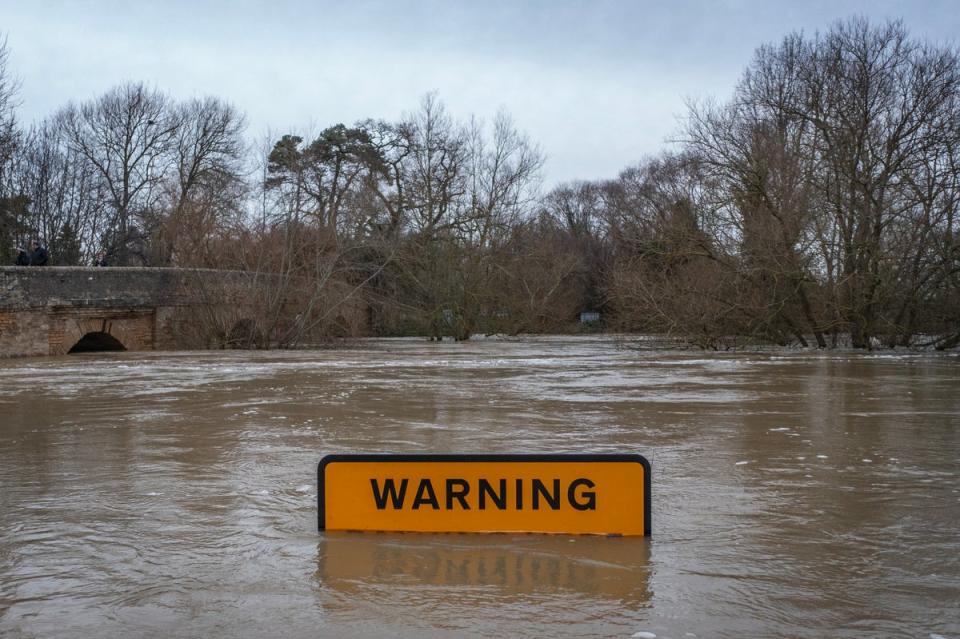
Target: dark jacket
[(22, 258), (39, 257)]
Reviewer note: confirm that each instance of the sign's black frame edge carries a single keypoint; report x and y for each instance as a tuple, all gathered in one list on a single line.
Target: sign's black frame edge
[(486, 457)]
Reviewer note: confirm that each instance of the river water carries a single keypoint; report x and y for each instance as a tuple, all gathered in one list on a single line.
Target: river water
[(795, 494)]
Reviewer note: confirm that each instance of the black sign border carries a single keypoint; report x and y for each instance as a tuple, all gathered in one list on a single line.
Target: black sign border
[(470, 458)]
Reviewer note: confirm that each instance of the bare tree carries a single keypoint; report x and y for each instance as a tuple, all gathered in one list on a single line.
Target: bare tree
[(8, 102), (126, 135), (542, 279), (13, 205), (580, 209), (66, 200), (434, 176), (502, 183), (673, 272), (833, 162), (206, 184)]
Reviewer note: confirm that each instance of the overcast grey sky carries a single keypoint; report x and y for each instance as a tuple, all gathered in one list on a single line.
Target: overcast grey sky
[(598, 85)]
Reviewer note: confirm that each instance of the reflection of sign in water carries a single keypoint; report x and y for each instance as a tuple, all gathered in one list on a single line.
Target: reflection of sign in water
[(577, 494), (598, 567)]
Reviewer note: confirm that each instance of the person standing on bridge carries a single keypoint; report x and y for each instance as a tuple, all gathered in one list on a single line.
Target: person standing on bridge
[(101, 259), (35, 255), (38, 254)]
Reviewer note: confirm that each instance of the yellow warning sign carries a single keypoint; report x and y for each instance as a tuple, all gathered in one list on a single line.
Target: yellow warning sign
[(575, 494)]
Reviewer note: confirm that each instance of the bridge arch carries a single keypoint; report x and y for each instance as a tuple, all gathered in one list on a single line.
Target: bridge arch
[(97, 341), (101, 330)]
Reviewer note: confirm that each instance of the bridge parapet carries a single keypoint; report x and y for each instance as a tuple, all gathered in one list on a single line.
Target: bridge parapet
[(32, 287)]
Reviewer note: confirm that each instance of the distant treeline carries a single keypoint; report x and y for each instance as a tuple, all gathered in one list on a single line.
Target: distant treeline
[(817, 206)]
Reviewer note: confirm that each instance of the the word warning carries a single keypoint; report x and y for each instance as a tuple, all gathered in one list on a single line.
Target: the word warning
[(575, 494)]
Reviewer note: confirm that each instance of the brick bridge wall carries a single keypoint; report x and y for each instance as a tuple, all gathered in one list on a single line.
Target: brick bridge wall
[(46, 310)]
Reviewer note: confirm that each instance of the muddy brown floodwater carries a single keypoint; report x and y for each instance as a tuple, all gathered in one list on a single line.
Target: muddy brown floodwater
[(795, 494)]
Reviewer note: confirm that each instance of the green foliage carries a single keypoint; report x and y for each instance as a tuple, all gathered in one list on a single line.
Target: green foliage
[(325, 157)]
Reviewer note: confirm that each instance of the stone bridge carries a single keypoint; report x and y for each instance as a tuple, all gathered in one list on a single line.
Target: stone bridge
[(54, 310)]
